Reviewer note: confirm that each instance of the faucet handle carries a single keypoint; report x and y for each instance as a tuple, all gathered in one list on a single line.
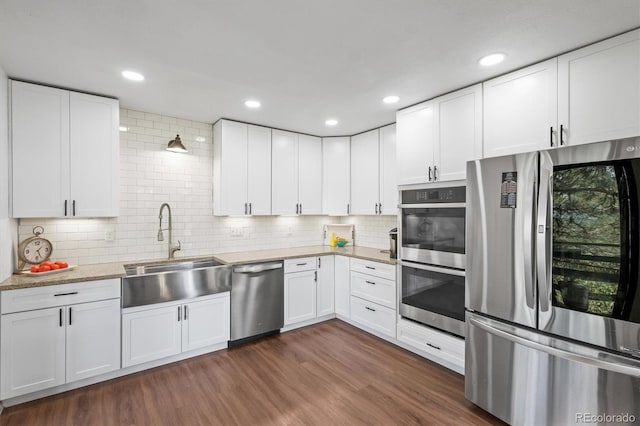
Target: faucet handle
[(179, 245)]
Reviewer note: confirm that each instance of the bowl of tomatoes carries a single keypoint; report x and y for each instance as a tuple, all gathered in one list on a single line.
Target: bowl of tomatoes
[(48, 267)]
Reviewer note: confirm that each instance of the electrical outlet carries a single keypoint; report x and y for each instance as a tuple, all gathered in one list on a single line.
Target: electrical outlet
[(236, 232), (289, 231), (110, 234)]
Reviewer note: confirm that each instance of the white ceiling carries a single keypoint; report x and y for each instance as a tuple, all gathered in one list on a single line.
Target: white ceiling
[(306, 61)]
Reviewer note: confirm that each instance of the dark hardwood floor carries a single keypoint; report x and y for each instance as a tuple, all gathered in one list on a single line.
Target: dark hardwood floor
[(326, 374)]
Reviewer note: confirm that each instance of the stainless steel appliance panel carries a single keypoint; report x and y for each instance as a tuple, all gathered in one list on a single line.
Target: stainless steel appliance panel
[(588, 243), (257, 299), (526, 378), (499, 244), (174, 285), (433, 296)]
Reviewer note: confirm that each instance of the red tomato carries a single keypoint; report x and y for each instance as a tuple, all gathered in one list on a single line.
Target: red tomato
[(46, 263), (62, 264), (35, 269), (45, 268), (54, 267)]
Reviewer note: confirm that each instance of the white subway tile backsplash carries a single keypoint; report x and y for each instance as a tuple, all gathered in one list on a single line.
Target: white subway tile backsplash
[(150, 175)]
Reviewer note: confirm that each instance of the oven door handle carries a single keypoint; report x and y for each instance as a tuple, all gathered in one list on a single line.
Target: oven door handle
[(433, 206), (430, 268)]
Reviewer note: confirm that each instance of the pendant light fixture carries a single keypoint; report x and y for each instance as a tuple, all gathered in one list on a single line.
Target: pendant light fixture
[(175, 145)]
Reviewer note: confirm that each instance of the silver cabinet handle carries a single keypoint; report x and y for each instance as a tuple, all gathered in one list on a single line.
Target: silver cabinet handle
[(616, 367), (179, 313), (256, 268), (456, 272)]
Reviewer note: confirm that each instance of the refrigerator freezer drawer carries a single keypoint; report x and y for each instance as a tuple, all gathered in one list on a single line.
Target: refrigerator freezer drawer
[(526, 378)]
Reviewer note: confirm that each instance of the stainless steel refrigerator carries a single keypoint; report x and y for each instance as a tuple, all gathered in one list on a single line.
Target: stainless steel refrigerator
[(552, 291)]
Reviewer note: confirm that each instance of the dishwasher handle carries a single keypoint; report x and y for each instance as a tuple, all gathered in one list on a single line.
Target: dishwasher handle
[(252, 269)]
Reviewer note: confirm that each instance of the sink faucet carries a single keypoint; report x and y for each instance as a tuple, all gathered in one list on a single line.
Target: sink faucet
[(172, 249)]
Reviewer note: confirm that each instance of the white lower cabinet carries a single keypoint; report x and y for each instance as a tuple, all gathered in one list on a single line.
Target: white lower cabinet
[(154, 332), (309, 288), (443, 346), (299, 296), (374, 316), (373, 296), (49, 346), (342, 286)]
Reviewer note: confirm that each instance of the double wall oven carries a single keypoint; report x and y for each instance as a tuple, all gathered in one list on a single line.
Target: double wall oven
[(432, 256)]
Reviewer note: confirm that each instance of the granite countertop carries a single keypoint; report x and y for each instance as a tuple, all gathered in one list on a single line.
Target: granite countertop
[(102, 271)]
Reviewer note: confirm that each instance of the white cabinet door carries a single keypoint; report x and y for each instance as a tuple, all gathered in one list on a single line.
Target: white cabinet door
[(284, 173), (32, 351), (336, 178), (310, 174), (388, 171), (205, 322), (259, 170), (458, 132), (599, 90), (415, 140), (95, 159), (520, 110), (151, 334), (342, 285), (93, 339), (299, 297), (230, 154), (365, 176), (40, 150), (326, 285)]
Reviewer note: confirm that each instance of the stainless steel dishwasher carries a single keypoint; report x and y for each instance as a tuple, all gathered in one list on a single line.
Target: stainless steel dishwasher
[(257, 301)]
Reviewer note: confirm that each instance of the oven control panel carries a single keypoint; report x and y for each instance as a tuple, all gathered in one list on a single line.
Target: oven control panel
[(453, 194)]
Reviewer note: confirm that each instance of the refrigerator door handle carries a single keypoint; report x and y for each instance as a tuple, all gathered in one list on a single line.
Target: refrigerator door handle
[(528, 236), (560, 353), (543, 237)]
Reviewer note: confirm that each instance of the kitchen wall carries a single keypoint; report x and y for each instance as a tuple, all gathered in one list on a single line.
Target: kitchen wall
[(8, 227), (149, 176)]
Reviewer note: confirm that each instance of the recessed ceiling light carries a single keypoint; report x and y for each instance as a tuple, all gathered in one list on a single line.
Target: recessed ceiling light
[(390, 99), (132, 75), (123, 128), (493, 59), (252, 104), (331, 122), (200, 139)]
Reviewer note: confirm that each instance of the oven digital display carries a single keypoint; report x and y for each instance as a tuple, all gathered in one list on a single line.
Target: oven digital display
[(442, 195)]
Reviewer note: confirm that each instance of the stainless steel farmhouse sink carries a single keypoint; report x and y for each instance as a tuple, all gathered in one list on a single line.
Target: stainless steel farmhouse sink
[(166, 282)]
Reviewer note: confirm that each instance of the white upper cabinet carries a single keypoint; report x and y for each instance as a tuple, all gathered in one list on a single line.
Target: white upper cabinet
[(415, 140), (79, 134), (458, 132), (599, 91), (297, 174), (241, 169), (365, 177), (336, 179), (309, 175), (520, 110), (388, 171), (438, 137), (374, 187)]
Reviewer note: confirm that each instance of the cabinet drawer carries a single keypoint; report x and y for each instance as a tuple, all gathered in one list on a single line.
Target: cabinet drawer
[(430, 340), (374, 316), (374, 289), (300, 264), (27, 299), (381, 270)]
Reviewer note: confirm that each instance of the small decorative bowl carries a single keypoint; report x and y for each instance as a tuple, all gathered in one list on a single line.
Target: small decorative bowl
[(341, 243)]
